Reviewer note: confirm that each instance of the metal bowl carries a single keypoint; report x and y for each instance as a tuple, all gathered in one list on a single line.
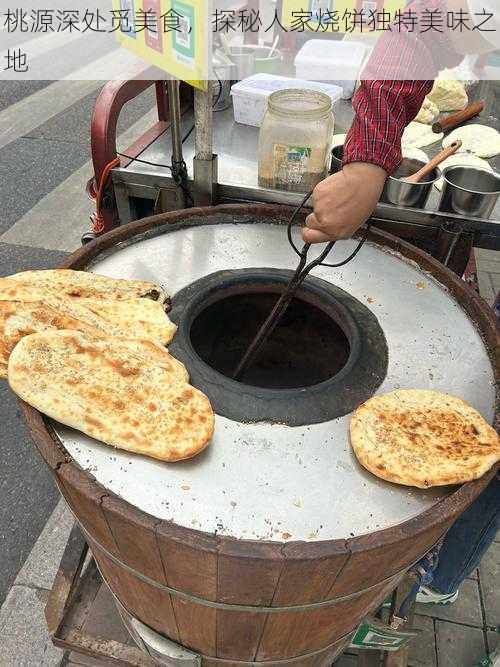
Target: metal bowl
[(469, 191), (410, 195), (337, 155)]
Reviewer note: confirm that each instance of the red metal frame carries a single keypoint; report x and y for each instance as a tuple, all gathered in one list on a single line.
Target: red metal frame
[(108, 107)]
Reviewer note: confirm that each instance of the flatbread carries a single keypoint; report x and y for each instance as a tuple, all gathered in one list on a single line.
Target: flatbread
[(91, 285), (418, 135), (18, 319), (480, 140), (103, 388), (138, 317), (423, 438), (466, 159), (141, 318)]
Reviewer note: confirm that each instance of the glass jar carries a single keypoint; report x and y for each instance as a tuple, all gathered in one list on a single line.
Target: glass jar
[(295, 140)]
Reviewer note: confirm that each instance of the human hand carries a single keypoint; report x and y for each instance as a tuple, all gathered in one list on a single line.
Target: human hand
[(343, 202)]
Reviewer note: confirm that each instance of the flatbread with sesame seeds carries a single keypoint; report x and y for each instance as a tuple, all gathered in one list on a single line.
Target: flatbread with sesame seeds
[(113, 391), (27, 309), (423, 438), (83, 284)]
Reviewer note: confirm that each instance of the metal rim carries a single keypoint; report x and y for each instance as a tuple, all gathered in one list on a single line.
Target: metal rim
[(491, 174), (363, 372), (53, 452)]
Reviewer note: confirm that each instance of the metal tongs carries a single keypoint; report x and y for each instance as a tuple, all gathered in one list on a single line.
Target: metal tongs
[(301, 273)]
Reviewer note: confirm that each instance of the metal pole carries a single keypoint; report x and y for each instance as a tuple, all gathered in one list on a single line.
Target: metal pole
[(205, 162), (174, 102)]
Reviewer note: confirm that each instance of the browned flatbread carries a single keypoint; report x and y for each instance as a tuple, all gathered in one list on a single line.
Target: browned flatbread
[(423, 438), (115, 391), (82, 284)]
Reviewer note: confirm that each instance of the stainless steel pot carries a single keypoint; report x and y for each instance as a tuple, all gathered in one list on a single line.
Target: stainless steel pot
[(410, 195), (469, 191)]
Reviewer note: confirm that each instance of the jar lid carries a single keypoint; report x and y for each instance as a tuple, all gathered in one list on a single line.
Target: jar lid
[(307, 104)]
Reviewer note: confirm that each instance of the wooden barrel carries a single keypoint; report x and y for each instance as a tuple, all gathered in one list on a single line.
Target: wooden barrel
[(291, 597)]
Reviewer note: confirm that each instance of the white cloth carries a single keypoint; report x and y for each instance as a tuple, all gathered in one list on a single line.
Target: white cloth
[(476, 12)]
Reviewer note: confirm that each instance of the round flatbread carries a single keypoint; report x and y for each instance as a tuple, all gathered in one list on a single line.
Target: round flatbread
[(423, 438), (465, 159), (417, 135), (479, 140)]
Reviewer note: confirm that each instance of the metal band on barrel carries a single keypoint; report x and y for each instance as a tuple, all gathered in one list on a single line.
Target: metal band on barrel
[(239, 607)]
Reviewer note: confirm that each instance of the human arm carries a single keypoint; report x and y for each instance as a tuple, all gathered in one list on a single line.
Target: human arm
[(399, 75)]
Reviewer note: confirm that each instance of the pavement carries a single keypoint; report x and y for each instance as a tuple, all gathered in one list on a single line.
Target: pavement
[(44, 165)]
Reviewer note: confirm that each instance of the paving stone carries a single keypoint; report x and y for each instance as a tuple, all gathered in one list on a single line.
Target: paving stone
[(485, 287), (24, 640), (423, 647), (467, 608), (473, 575), (42, 564), (459, 645), (486, 255), (489, 571), (495, 281), (493, 639)]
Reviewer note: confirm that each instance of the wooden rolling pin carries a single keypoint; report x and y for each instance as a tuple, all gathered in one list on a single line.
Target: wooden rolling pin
[(458, 118), (435, 162)]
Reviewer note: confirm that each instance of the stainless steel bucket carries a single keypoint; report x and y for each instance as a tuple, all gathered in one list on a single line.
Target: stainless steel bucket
[(469, 191), (410, 195), (243, 59)]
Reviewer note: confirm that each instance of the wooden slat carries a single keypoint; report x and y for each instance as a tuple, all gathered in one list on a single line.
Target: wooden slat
[(239, 634), (308, 574), (197, 626), (371, 563), (148, 604), (189, 560), (84, 497), (248, 572), (289, 634), (134, 534)]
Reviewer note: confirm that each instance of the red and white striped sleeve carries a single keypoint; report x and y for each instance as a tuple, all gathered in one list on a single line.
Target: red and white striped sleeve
[(398, 76)]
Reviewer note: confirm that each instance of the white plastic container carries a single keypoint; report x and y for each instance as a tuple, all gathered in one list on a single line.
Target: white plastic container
[(250, 96), (336, 62)]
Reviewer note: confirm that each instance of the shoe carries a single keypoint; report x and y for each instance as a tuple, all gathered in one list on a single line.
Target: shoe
[(430, 596)]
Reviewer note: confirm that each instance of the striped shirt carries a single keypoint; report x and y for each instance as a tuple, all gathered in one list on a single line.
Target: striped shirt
[(399, 74)]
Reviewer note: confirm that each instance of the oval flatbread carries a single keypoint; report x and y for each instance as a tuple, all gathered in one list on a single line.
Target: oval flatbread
[(114, 391), (90, 285), (477, 139), (423, 438)]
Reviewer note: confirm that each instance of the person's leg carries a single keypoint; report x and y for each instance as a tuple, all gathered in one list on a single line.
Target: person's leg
[(468, 539)]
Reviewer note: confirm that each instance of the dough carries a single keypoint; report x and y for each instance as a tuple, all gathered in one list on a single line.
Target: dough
[(467, 159), (448, 95), (415, 154), (428, 113), (479, 140), (418, 135), (338, 140)]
